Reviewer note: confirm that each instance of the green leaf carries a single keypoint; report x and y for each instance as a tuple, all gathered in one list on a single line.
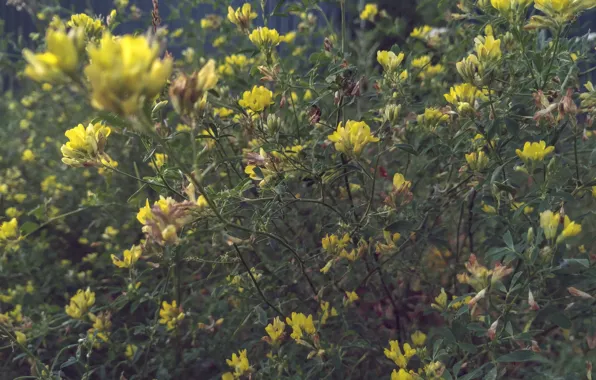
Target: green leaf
[(491, 375), (509, 240), (28, 227), (559, 319), (407, 148), (520, 356)]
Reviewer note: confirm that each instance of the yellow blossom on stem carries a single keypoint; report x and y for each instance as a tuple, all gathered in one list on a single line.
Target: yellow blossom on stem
[(369, 12), (28, 155), (242, 16), (487, 49), (80, 303), (421, 32), (9, 230), (570, 229), (256, 100), (432, 118), (418, 338), (477, 161), (275, 331), (170, 315), (130, 351), (86, 145), (352, 138), (332, 244), (265, 38), (400, 183), (563, 10), (534, 152), (189, 92), (351, 297), (402, 374), (240, 365), (464, 96), (389, 60), (394, 353), (21, 338), (130, 257), (92, 27), (124, 71), (327, 312), (56, 64), (301, 324)]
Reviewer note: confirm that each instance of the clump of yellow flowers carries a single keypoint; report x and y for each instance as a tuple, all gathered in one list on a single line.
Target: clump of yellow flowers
[(170, 314), (59, 62), (464, 97), (92, 27), (86, 146), (162, 222), (130, 257), (189, 92), (9, 230), (369, 12), (257, 99), (80, 303), (477, 161), (265, 38), (240, 365), (549, 222), (124, 72), (557, 12), (352, 138), (301, 324), (242, 16), (275, 331)]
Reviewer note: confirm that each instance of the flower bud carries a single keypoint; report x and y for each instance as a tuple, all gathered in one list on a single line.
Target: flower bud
[(391, 113), (273, 123)]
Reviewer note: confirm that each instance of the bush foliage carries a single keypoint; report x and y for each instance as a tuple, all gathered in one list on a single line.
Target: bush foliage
[(300, 205)]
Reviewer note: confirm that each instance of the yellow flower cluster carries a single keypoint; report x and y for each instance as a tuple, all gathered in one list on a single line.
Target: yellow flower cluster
[(389, 60), (352, 138), (240, 365), (162, 222), (395, 353), (477, 161), (59, 62), (80, 303), (124, 72), (9, 230), (92, 27), (242, 16), (369, 12), (549, 222), (130, 257), (300, 325), (464, 96), (432, 118), (189, 93), (534, 152), (86, 146), (170, 315), (100, 332), (275, 331), (256, 100), (265, 38)]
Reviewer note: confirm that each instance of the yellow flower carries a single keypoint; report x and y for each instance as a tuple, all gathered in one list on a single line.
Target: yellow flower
[(477, 161), (517, 205), (21, 338), (418, 338), (395, 353), (100, 331), (327, 312), (160, 160), (242, 16), (80, 303), (505, 7), (431, 118), (130, 257), (275, 330), (28, 155), (487, 48), (421, 32), (170, 315), (223, 112), (464, 96), (86, 145), (265, 38), (92, 27), (301, 324), (400, 183), (389, 60), (402, 374), (131, 351), (421, 62), (327, 267), (189, 92), (369, 12), (257, 99), (57, 63), (9, 230), (351, 297), (289, 37), (124, 71), (219, 41), (440, 301), (563, 10), (570, 229), (240, 365), (535, 151), (332, 244), (352, 138), (549, 222), (488, 209), (211, 22)]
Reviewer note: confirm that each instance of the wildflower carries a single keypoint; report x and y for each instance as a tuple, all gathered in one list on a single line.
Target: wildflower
[(289, 37), (563, 10), (301, 324), (242, 16), (464, 96), (402, 374), (130, 351), (488, 49), (351, 297), (327, 312), (100, 332), (352, 138), (86, 145), (80, 303), (240, 365), (400, 183), (332, 244), (170, 314), (256, 100), (130, 257), (394, 353), (421, 32), (350, 256), (534, 152), (389, 60), (327, 267), (390, 242), (480, 295), (92, 27), (223, 112), (506, 7), (56, 64), (265, 38), (489, 209), (421, 62), (162, 222), (160, 160), (211, 22), (124, 72), (477, 161), (275, 331), (187, 92), (570, 229), (579, 293), (369, 12), (418, 338), (432, 118), (21, 338), (28, 155), (481, 274), (9, 230)]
